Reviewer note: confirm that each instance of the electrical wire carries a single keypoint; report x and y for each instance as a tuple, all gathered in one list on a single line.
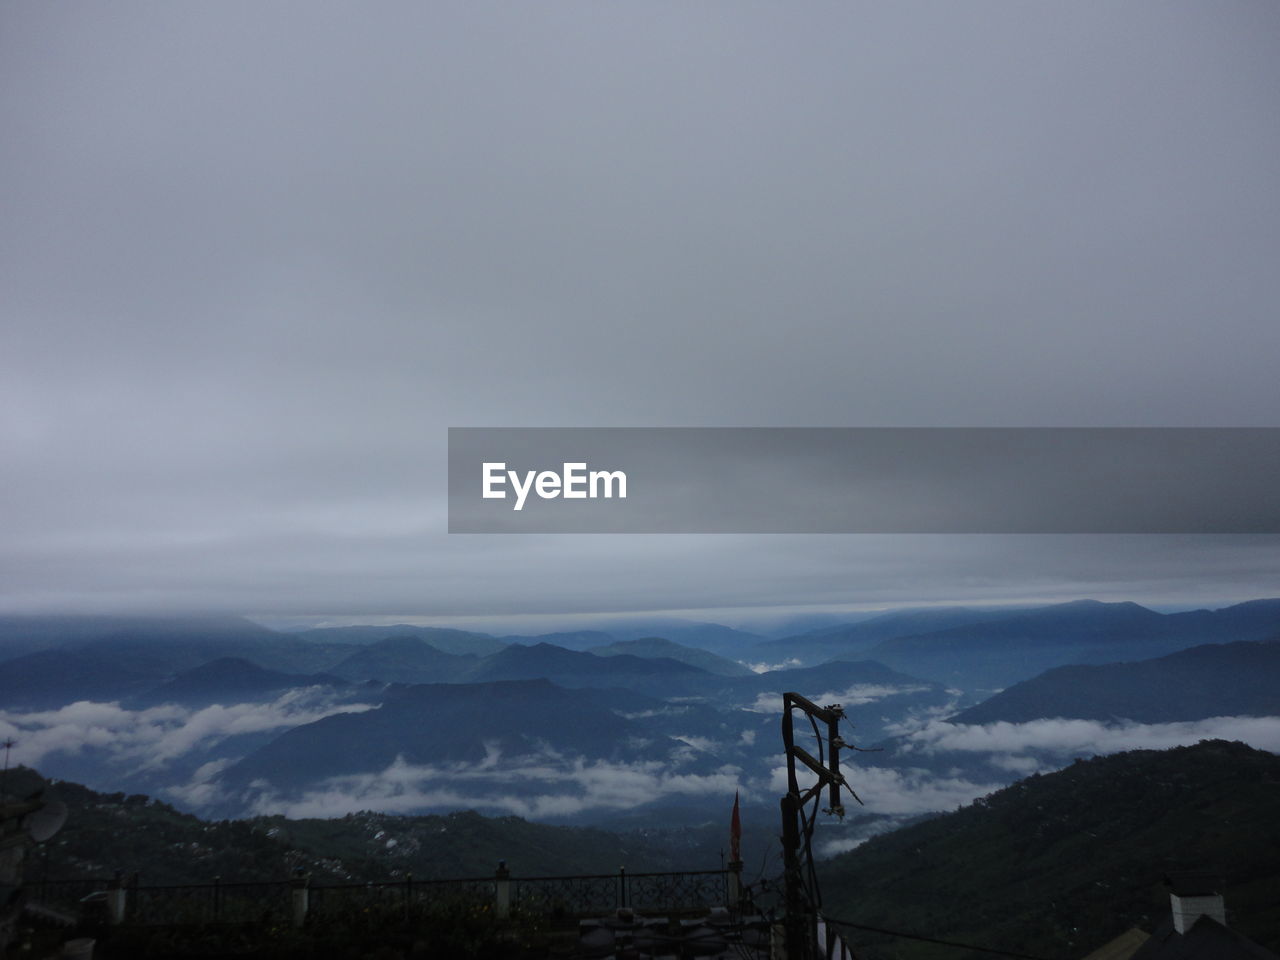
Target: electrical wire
[(923, 939), (764, 865), (809, 875), (811, 882)]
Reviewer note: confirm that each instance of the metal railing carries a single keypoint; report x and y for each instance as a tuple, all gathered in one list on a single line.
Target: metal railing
[(409, 897), (690, 889), (298, 901), (217, 902), (63, 894)]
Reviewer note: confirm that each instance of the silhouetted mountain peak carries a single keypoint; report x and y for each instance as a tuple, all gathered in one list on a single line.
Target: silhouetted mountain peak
[(445, 639), (652, 648), (538, 688), (230, 668), (408, 644), (543, 654)]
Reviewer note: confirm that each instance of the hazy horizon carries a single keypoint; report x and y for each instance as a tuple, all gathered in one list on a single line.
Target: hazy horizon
[(749, 619)]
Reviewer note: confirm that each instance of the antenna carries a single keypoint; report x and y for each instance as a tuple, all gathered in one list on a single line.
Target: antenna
[(802, 896), (9, 744)]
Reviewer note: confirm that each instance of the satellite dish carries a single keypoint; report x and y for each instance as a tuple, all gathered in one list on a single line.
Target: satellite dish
[(44, 823)]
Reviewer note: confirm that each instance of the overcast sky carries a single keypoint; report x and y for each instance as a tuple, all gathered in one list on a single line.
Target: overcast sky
[(257, 257)]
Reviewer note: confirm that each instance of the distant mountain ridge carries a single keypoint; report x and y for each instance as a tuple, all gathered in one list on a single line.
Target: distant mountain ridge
[(48, 679), (21, 633), (995, 653), (658, 647), (232, 680), (992, 648), (852, 639), (570, 668), (405, 659), (1000, 652), (715, 637), (970, 647), (1214, 680), (580, 640), (151, 671), (444, 639)]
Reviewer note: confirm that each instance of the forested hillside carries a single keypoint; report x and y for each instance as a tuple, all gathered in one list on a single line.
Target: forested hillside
[(1056, 865)]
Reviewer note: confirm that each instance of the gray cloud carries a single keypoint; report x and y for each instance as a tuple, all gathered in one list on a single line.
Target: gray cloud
[(1061, 739), (551, 786), (901, 792), (256, 263), (1011, 751), (853, 696), (139, 740), (851, 838)]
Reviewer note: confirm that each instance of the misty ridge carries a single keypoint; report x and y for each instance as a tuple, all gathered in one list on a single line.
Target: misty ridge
[(628, 724)]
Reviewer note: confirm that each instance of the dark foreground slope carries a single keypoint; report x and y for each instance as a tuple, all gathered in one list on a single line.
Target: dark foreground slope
[(105, 832), (1057, 865)]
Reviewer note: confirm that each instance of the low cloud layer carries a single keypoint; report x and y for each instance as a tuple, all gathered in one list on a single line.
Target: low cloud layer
[(1011, 745), (551, 785), (855, 835), (897, 792), (854, 696), (947, 776), (140, 740), (766, 667), (533, 787), (934, 765)]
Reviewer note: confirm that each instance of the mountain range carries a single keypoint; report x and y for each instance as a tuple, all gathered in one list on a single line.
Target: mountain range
[(973, 648), (989, 649), (659, 647), (293, 712), (430, 725), (459, 642), (231, 680), (1206, 681)]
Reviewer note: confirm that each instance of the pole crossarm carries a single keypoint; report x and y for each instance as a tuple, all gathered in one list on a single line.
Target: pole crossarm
[(827, 776), (829, 715)]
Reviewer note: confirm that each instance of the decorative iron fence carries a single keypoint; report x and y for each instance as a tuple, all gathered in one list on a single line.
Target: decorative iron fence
[(408, 898), (665, 891), (215, 902), (641, 891), (297, 901), (63, 894), (568, 894)]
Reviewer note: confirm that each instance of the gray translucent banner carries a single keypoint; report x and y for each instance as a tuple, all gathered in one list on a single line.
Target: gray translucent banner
[(864, 480)]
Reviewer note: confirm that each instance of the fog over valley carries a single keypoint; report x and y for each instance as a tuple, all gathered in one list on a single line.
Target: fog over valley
[(225, 718)]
